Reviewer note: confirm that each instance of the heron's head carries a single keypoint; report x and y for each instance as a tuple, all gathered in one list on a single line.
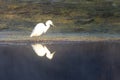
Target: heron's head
[(49, 22)]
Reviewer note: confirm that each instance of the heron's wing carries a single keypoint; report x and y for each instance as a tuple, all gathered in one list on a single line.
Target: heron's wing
[(38, 30)]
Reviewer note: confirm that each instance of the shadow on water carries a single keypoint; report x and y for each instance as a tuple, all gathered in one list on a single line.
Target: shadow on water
[(73, 61)]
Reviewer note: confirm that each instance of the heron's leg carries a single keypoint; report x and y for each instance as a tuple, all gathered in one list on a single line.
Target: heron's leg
[(35, 39)]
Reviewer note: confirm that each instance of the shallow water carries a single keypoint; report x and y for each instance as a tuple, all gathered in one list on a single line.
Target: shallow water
[(70, 61)]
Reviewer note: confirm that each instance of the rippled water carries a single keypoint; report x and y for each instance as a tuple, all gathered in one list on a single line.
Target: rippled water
[(69, 61)]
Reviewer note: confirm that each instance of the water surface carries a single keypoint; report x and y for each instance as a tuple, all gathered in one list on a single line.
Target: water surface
[(70, 61)]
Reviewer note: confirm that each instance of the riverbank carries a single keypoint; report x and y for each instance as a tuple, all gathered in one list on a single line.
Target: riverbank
[(23, 36)]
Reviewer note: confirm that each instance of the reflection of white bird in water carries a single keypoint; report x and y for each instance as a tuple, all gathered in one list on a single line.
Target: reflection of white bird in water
[(41, 28), (41, 50)]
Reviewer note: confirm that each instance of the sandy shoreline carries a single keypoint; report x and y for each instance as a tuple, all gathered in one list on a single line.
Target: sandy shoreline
[(23, 37)]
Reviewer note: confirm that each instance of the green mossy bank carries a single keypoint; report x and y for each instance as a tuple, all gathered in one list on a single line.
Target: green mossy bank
[(100, 16)]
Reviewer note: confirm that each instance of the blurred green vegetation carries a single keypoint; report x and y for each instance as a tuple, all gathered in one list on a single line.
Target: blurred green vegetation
[(68, 16)]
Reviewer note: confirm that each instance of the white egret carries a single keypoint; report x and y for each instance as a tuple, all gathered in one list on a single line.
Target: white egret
[(41, 28), (41, 50)]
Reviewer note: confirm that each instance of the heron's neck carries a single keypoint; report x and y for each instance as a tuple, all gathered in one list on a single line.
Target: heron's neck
[(47, 25), (46, 28)]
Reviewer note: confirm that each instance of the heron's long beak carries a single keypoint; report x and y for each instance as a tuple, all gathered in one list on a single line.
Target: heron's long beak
[(53, 25)]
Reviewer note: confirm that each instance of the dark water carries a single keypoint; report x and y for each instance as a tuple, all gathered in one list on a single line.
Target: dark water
[(71, 61)]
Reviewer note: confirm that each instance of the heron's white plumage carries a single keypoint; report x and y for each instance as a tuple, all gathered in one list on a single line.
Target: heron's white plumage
[(41, 28), (49, 55), (41, 50)]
